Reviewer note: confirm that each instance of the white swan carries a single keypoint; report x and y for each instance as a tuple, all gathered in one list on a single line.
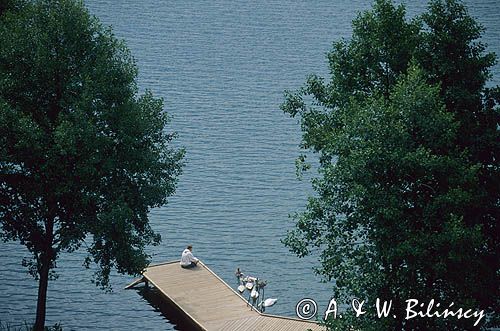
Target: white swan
[(269, 302), (254, 294)]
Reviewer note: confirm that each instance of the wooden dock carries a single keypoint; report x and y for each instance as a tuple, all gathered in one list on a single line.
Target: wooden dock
[(210, 304)]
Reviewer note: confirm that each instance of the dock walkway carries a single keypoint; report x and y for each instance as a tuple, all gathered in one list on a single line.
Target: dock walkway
[(210, 304)]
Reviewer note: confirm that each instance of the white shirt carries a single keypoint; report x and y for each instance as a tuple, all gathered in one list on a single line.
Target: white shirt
[(188, 257)]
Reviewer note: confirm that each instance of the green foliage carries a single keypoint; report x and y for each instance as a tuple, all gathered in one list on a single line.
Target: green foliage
[(81, 153), (406, 203), (10, 5), (26, 327)]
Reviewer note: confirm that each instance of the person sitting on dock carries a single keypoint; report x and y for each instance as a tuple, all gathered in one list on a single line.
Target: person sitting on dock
[(188, 260)]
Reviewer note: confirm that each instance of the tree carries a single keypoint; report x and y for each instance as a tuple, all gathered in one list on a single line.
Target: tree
[(407, 201), (83, 157), (8, 5)]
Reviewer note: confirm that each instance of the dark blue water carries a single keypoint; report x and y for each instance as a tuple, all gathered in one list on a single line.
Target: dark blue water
[(222, 67)]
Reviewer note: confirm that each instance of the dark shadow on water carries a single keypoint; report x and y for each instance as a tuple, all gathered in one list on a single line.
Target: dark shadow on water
[(155, 300)]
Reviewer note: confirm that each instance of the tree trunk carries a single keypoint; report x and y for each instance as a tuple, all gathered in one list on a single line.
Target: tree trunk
[(42, 294), (45, 261)]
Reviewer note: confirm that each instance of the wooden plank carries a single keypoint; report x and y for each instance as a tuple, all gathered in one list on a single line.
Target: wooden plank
[(134, 283)]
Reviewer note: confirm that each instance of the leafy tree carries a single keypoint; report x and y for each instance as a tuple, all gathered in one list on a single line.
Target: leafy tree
[(83, 157), (407, 201)]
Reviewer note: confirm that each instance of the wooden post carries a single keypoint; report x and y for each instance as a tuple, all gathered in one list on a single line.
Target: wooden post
[(134, 283)]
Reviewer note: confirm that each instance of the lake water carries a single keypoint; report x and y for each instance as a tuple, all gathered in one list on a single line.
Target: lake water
[(222, 67)]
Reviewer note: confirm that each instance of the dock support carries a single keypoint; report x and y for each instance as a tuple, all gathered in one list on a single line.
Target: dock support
[(135, 282)]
